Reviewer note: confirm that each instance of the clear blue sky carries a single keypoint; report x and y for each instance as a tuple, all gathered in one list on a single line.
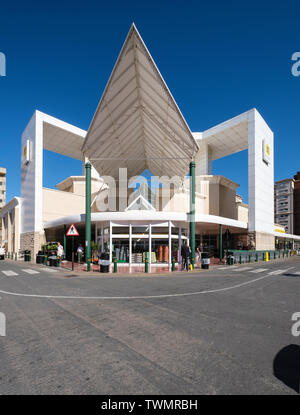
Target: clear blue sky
[(219, 59)]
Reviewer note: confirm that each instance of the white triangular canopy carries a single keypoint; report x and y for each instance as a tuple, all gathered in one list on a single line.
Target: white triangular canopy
[(140, 203), (138, 124)]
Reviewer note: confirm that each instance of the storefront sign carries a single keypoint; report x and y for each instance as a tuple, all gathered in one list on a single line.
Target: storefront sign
[(266, 152)]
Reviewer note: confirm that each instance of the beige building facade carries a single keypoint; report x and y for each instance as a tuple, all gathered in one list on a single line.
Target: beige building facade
[(138, 127)]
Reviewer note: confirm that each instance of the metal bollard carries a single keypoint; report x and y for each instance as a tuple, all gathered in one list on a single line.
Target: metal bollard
[(249, 258), (256, 257), (173, 264), (57, 262), (46, 260), (16, 256), (115, 265), (146, 264), (240, 259)]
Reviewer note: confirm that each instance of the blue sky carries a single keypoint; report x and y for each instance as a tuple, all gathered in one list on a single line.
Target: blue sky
[(218, 58)]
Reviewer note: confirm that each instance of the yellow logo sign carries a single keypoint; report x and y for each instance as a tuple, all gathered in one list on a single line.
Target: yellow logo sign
[(268, 151)]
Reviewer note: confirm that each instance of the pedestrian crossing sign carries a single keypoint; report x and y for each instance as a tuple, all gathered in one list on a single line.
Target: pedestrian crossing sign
[(72, 231)]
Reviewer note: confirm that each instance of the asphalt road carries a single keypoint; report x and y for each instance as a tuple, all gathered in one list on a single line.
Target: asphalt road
[(226, 331)]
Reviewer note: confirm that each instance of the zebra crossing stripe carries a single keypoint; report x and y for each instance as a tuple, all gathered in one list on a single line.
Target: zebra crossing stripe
[(243, 269), (50, 270), (9, 273), (30, 271), (277, 272), (228, 267), (256, 271)]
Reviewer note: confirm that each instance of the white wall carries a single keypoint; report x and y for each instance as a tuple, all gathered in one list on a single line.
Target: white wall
[(260, 176), (31, 177)]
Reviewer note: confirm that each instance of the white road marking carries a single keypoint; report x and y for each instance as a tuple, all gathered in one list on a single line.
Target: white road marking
[(242, 269), (280, 271), (140, 297), (277, 272), (228, 267), (50, 270), (9, 273), (30, 271), (256, 271)]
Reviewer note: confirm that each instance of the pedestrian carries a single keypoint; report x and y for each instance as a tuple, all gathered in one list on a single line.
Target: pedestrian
[(79, 253), (185, 254), (60, 251), (198, 256)]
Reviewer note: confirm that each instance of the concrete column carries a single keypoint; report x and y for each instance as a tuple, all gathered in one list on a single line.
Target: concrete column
[(88, 230), (9, 233), (203, 160)]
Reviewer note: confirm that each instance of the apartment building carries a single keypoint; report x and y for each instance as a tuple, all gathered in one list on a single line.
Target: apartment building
[(2, 187), (297, 203), (284, 204)]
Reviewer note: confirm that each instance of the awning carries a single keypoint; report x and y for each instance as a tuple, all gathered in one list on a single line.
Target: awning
[(138, 124)]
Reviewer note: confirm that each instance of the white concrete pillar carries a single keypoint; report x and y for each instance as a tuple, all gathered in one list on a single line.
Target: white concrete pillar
[(203, 160)]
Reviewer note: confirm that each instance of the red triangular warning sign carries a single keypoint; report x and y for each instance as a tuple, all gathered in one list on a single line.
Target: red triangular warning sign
[(72, 231)]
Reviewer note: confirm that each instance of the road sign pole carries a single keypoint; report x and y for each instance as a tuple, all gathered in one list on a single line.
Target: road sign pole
[(72, 253), (88, 168)]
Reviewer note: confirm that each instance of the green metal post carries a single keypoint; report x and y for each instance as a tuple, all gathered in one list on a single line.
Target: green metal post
[(88, 168), (173, 264), (221, 240), (46, 260), (240, 259), (146, 264), (115, 265), (192, 212), (256, 257), (16, 256)]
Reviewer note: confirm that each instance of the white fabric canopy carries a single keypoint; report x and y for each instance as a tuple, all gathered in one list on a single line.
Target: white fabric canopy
[(138, 124)]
